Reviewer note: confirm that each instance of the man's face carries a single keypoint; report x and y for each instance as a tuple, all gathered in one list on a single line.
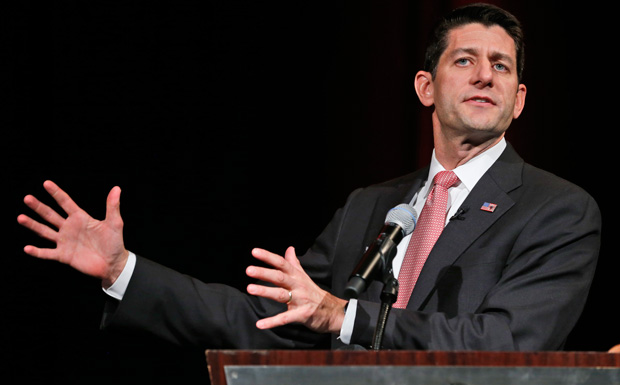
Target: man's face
[(476, 91)]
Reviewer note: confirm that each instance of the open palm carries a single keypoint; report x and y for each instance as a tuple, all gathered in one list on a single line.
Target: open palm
[(90, 246)]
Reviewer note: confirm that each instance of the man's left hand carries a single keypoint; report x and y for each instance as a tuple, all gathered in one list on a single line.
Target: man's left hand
[(308, 304)]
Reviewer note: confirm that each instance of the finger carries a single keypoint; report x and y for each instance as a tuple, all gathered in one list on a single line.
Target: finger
[(273, 293), (38, 228), (41, 253), (280, 319), (272, 259), (61, 197), (44, 211), (276, 277)]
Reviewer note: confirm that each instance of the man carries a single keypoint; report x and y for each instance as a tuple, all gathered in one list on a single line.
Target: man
[(511, 270)]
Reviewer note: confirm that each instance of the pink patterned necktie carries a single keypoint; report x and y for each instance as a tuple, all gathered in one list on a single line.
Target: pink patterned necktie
[(430, 225)]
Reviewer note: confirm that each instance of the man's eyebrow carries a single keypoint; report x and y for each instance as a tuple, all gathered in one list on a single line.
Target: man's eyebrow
[(495, 55)]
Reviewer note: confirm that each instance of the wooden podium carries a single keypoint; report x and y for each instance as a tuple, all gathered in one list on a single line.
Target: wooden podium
[(327, 367)]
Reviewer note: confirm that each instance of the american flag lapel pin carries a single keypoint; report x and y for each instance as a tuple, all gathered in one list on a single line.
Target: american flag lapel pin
[(490, 207)]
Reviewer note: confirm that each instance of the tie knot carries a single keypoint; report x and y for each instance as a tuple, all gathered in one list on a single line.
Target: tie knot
[(445, 179)]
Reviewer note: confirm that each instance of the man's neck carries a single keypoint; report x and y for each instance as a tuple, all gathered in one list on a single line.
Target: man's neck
[(454, 153)]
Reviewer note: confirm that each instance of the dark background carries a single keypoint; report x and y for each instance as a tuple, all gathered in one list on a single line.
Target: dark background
[(235, 124)]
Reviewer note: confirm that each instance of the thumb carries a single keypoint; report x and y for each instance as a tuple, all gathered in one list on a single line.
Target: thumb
[(113, 206), (291, 257)]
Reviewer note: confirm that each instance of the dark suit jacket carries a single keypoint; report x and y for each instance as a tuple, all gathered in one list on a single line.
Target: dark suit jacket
[(513, 279)]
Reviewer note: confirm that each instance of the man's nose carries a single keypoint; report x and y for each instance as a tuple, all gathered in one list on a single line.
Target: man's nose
[(483, 75)]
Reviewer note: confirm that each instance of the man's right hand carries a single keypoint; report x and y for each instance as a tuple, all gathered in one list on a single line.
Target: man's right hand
[(90, 246)]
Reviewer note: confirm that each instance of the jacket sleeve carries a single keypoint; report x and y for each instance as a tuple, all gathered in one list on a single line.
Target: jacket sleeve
[(185, 311)]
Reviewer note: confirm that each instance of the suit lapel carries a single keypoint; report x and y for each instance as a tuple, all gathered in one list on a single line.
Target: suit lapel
[(391, 197), (493, 187)]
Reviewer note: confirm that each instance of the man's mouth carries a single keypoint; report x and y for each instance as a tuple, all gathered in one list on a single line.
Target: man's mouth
[(480, 99)]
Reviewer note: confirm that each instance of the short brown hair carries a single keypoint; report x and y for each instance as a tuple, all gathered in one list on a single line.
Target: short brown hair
[(485, 14)]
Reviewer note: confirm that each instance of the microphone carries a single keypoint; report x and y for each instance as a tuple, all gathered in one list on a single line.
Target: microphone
[(459, 214), (400, 222)]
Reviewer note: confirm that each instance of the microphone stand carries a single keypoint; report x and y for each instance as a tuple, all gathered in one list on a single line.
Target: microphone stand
[(388, 297)]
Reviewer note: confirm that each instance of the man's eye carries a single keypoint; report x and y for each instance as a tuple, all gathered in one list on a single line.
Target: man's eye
[(462, 62), (500, 67)]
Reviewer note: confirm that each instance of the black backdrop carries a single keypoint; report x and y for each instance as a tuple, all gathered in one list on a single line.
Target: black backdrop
[(234, 124)]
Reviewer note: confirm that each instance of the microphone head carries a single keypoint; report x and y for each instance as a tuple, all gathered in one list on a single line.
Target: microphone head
[(404, 216)]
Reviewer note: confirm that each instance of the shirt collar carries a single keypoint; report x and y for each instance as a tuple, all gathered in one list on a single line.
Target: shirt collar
[(470, 173)]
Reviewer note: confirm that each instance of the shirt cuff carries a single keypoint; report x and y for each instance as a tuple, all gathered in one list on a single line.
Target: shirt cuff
[(349, 321), (117, 290)]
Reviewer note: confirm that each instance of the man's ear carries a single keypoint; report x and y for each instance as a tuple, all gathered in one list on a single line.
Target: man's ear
[(424, 88), (519, 101)]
